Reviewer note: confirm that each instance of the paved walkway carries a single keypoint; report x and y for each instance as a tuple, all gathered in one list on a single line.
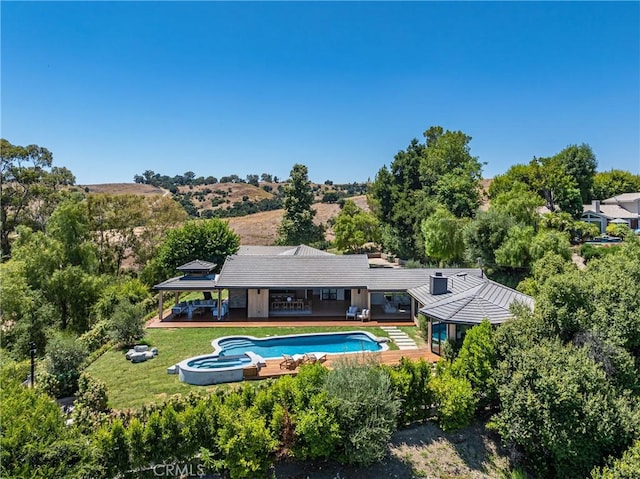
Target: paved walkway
[(402, 339)]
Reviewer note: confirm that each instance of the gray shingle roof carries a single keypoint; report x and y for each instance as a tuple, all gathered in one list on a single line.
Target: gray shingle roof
[(289, 271), (610, 211), (623, 198)]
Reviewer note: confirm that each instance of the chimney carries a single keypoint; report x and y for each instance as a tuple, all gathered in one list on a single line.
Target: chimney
[(596, 205), (438, 284)]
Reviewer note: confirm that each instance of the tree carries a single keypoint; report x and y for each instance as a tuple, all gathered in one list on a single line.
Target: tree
[(607, 184), (520, 203), (559, 409), (115, 220), (450, 172), (441, 170), (443, 239), (514, 251), (29, 188), (297, 225), (208, 240), (266, 178), (579, 163), (252, 180), (354, 227), (162, 214), (485, 234)]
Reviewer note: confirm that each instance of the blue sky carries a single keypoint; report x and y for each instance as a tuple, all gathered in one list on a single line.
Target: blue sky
[(115, 88)]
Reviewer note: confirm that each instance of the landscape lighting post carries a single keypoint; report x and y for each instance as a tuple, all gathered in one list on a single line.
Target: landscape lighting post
[(32, 352)]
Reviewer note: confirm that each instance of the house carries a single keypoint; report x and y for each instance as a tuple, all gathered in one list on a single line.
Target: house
[(624, 208), (266, 282)]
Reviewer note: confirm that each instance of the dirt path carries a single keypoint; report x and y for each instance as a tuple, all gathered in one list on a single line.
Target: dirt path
[(422, 451)]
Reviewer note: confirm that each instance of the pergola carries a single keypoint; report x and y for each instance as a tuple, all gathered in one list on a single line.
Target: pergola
[(197, 276)]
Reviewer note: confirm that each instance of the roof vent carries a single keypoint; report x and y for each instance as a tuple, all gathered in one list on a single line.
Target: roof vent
[(438, 284)]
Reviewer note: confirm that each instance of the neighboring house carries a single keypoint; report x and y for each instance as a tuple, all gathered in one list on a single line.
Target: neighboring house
[(273, 282), (623, 209)]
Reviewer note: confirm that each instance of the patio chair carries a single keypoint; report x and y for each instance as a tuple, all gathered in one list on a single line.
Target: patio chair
[(364, 316), (289, 362), (352, 312), (310, 358)]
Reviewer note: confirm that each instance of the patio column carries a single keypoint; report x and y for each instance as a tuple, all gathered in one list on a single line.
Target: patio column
[(429, 332), (177, 297), (160, 305), (219, 308)]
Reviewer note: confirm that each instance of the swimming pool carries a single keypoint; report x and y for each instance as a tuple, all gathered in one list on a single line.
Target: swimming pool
[(276, 346)]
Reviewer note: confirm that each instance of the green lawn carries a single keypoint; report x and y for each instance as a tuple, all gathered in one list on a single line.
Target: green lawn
[(131, 385), (414, 333)]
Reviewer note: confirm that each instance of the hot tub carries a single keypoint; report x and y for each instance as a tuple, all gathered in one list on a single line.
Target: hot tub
[(214, 369)]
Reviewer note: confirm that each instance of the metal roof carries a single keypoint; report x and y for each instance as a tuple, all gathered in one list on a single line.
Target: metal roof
[(397, 279), (188, 283), (468, 303), (198, 266), (262, 250), (289, 271), (300, 250)]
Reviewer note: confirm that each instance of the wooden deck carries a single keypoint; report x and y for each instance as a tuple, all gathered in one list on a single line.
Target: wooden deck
[(273, 370), (207, 321)]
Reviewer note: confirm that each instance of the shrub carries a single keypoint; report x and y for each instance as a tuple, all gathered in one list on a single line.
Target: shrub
[(126, 324), (366, 409), (35, 442), (317, 430), (90, 406), (410, 381), (626, 467), (454, 399), (96, 337), (112, 448), (476, 362), (63, 363), (246, 443)]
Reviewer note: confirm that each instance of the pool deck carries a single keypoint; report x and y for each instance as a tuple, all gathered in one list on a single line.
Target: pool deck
[(272, 322), (390, 358)]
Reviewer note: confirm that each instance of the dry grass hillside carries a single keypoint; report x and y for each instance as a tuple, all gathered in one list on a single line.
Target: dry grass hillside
[(262, 228), (123, 189), (258, 228)]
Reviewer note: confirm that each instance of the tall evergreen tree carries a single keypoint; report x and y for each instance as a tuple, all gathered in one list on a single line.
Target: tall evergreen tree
[(297, 225)]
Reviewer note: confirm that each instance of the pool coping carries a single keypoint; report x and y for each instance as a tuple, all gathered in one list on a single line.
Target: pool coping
[(382, 341)]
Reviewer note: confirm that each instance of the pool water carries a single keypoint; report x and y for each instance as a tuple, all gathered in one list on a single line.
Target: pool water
[(213, 362), (275, 347)]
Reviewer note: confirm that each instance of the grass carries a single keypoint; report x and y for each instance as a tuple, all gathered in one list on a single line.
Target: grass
[(132, 385), (414, 333)]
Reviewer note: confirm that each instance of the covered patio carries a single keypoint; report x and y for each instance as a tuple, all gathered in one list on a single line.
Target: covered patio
[(197, 276)]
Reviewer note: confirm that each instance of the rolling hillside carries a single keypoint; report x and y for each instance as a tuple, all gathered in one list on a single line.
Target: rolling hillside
[(256, 229)]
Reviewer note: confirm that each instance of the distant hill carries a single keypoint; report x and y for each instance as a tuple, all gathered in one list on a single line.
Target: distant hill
[(122, 189), (257, 228)]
